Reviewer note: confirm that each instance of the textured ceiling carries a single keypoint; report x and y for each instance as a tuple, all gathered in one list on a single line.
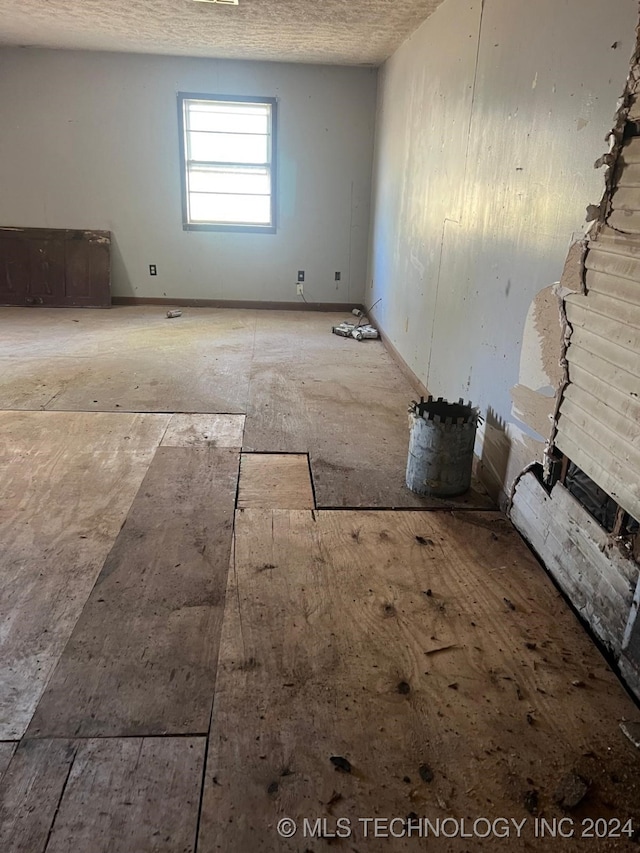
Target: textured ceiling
[(341, 32)]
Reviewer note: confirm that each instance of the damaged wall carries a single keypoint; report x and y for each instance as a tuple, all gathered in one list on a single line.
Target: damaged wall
[(599, 413), (596, 576), (490, 118), (90, 141)]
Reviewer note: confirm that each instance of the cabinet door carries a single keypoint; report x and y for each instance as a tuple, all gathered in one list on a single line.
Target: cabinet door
[(55, 267), (46, 270), (87, 269), (14, 268)]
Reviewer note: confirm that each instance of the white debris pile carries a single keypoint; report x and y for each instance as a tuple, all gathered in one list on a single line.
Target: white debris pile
[(360, 330)]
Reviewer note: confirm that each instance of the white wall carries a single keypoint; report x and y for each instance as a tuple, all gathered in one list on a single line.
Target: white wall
[(490, 118), (90, 140)]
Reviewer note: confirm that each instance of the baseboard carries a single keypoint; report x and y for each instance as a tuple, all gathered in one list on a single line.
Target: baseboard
[(344, 307), (630, 675), (411, 377)]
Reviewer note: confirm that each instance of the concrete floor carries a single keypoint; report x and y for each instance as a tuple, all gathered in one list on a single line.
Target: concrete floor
[(195, 646)]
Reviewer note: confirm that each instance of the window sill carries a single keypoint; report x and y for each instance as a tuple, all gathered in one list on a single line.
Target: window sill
[(248, 229)]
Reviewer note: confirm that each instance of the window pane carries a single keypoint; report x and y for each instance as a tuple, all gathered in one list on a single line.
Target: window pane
[(234, 181), (243, 209), (230, 117), (228, 161), (229, 148)]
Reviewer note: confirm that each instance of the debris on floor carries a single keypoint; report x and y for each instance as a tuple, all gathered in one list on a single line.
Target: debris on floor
[(174, 313), (340, 763), (531, 800), (359, 330), (571, 791), (426, 773)]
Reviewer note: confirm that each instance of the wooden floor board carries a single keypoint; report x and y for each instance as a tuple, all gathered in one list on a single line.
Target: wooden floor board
[(30, 793), (402, 641), (142, 657), (102, 796), (68, 481), (275, 481), (135, 794)]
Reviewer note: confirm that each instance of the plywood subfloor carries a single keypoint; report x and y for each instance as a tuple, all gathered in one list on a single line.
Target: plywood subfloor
[(7, 748), (104, 796), (275, 481), (343, 402), (303, 389), (68, 482), (204, 431), (430, 652), (125, 359), (142, 657)]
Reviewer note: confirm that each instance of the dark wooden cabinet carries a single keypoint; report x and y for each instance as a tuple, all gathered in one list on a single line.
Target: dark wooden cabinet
[(55, 267)]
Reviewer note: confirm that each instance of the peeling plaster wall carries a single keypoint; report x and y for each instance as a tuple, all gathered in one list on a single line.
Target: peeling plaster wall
[(490, 118), (90, 141)]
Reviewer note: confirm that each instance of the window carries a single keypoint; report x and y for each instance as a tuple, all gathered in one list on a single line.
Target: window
[(227, 148)]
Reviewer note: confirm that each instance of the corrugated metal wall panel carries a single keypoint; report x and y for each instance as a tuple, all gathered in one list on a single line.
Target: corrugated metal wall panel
[(599, 416)]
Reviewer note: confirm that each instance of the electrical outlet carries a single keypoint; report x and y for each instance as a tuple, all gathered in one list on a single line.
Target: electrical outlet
[(337, 276), (152, 269), (300, 275), (300, 289)]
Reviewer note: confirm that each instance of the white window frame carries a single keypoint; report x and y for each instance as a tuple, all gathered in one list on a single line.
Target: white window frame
[(191, 225)]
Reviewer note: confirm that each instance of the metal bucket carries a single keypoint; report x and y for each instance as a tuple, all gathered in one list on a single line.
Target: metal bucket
[(441, 447)]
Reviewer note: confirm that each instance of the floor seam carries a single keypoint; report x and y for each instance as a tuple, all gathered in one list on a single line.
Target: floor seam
[(62, 793)]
